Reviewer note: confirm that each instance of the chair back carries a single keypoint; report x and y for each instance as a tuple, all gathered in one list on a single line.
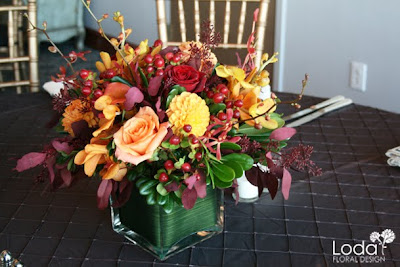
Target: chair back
[(240, 43), (15, 46)]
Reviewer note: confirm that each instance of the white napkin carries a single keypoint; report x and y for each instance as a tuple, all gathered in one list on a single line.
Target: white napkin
[(394, 156), (53, 88)]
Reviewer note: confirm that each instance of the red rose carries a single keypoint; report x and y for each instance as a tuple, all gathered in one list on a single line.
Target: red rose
[(188, 77)]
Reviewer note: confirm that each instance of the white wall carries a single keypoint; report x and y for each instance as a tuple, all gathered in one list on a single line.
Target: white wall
[(322, 37), (140, 15)]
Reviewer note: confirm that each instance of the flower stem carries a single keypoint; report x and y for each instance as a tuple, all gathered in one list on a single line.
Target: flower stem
[(51, 41)]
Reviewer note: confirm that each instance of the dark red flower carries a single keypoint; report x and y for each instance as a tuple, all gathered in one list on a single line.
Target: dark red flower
[(187, 77)]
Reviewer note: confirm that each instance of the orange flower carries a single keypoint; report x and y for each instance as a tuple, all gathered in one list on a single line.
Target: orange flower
[(109, 111), (139, 137), (91, 156), (77, 111), (113, 170)]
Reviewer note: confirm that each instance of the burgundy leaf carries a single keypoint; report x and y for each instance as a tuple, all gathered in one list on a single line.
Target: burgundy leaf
[(282, 133), (81, 130), (62, 146), (103, 193), (133, 96), (271, 182), (154, 85), (169, 134), (286, 182), (66, 177), (124, 189), (50, 162), (201, 186), (160, 112), (30, 160), (190, 181), (172, 187), (189, 197), (254, 177)]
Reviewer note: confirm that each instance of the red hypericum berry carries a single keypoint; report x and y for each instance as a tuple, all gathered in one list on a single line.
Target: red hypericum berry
[(220, 86), (163, 177), (194, 141), (236, 114), (222, 116), (88, 83), (174, 140), (218, 98), (160, 72), (86, 91), (210, 94), (84, 74), (212, 118), (157, 56), (258, 126), (100, 115), (159, 62), (150, 69), (169, 165), (206, 89), (187, 128), (186, 167), (198, 156), (148, 59), (176, 58), (238, 103), (224, 91), (157, 43), (229, 104), (169, 55), (109, 74), (97, 93)]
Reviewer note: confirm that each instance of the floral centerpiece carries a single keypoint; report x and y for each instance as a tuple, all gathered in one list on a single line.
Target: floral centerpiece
[(165, 129)]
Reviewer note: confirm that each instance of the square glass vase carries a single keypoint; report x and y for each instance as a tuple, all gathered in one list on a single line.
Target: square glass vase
[(164, 235)]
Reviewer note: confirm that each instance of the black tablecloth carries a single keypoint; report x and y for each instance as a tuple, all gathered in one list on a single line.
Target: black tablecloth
[(357, 194)]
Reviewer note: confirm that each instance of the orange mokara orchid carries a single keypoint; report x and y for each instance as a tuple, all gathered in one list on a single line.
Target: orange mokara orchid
[(104, 103), (91, 156)]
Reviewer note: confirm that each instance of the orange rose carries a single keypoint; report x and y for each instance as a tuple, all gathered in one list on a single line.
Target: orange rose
[(137, 139)]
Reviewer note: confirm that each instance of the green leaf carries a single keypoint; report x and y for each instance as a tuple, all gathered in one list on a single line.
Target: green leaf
[(223, 172), (71, 164), (151, 198), (229, 145), (243, 159), (161, 190), (215, 108), (168, 206), (221, 184), (143, 77), (185, 143), (175, 90), (141, 181), (251, 131), (161, 200), (147, 187), (236, 167), (278, 119), (118, 79)]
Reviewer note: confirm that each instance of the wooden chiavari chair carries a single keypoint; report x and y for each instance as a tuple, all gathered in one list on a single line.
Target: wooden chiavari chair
[(15, 46), (240, 42)]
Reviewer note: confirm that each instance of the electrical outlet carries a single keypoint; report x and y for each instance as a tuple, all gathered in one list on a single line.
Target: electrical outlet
[(358, 76)]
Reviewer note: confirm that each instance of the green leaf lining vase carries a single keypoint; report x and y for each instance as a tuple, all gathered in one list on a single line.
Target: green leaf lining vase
[(164, 235)]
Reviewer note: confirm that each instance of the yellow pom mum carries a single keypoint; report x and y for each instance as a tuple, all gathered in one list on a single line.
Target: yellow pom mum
[(189, 108)]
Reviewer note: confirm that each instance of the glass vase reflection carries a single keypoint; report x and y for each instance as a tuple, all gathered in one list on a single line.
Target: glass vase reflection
[(164, 235)]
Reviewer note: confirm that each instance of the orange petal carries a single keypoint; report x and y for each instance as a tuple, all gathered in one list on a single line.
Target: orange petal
[(117, 91), (110, 112), (105, 57), (80, 157), (249, 100), (90, 165), (105, 126), (102, 102)]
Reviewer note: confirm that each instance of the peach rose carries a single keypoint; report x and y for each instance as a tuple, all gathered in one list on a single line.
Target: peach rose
[(137, 139)]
